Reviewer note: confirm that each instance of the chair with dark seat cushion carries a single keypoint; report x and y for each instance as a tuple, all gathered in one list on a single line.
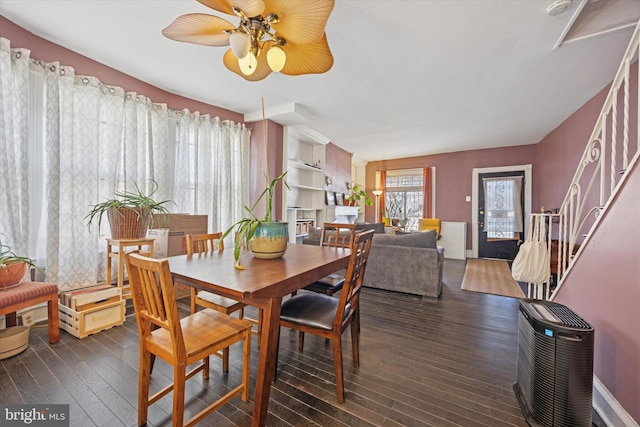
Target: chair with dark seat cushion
[(328, 317), (338, 236)]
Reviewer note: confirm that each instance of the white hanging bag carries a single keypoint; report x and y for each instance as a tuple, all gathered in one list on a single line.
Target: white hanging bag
[(532, 264)]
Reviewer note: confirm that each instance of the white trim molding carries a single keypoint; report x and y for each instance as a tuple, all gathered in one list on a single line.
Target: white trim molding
[(611, 412)]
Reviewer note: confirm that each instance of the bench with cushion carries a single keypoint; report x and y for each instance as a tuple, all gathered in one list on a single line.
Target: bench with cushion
[(27, 295)]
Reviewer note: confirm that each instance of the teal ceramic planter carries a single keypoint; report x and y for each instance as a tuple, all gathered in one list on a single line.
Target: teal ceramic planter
[(270, 240)]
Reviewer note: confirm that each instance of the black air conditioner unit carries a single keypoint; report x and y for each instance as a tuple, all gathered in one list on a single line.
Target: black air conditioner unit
[(555, 365)]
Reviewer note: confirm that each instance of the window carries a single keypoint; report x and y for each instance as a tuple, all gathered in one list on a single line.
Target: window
[(503, 207), (404, 196)]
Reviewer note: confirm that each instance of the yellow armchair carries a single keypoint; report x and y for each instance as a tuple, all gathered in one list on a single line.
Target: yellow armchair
[(430, 224)]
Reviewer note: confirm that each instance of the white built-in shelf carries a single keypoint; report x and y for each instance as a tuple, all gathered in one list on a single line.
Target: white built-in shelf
[(303, 198), (304, 187), (304, 166)]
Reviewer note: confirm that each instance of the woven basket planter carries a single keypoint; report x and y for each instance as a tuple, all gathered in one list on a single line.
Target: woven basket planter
[(127, 223)]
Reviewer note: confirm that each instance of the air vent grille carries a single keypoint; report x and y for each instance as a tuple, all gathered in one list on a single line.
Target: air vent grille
[(568, 317)]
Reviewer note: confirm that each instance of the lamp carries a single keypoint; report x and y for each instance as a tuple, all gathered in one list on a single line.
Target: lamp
[(377, 193), (251, 37), (300, 46)]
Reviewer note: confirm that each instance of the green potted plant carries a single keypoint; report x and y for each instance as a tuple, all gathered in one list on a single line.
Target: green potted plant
[(12, 267), (129, 213), (356, 194), (264, 237)]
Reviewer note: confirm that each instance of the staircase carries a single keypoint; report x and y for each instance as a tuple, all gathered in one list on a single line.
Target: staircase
[(612, 150)]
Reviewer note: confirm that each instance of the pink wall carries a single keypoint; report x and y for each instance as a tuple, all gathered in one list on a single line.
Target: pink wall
[(559, 153), (454, 172), (604, 288), (338, 166)]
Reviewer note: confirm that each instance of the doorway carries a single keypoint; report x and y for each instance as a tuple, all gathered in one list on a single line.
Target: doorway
[(486, 243)]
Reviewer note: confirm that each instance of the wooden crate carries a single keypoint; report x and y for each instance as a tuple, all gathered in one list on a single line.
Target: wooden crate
[(81, 324)]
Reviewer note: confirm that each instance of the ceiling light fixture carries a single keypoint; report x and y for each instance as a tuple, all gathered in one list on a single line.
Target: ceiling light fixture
[(300, 46), (558, 6)]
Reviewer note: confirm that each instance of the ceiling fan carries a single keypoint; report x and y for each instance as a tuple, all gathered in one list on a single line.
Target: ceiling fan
[(284, 36)]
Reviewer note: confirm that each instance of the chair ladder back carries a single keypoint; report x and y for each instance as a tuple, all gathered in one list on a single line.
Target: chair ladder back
[(208, 242), (355, 273), (153, 296), (337, 240)]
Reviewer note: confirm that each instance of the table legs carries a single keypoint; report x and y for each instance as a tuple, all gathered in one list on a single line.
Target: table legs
[(267, 360)]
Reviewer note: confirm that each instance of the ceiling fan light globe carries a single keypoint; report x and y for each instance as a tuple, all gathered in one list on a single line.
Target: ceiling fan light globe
[(276, 58), (240, 44), (248, 64)]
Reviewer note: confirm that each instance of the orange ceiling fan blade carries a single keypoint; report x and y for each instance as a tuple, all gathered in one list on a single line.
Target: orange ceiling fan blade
[(199, 28), (250, 8), (262, 68), (311, 58), (300, 22)]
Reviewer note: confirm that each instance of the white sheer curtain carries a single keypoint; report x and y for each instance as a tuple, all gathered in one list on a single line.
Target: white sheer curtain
[(14, 166), (503, 206), (212, 168), (92, 140), (98, 139)]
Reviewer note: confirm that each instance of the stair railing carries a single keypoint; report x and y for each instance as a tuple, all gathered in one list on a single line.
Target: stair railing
[(608, 156)]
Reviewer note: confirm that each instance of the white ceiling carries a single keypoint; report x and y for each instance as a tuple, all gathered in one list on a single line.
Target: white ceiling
[(410, 77)]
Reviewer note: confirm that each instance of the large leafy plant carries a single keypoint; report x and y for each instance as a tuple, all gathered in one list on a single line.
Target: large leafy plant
[(139, 202), (246, 227)]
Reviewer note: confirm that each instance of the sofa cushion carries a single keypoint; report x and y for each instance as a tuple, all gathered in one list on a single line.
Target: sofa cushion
[(415, 240)]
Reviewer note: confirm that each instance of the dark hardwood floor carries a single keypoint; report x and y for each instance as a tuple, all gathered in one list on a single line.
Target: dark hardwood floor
[(446, 362)]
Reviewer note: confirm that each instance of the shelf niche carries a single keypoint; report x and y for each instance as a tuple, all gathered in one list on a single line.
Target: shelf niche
[(304, 155)]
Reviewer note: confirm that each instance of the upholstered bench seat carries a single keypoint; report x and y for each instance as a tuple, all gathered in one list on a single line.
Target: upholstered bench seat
[(28, 294)]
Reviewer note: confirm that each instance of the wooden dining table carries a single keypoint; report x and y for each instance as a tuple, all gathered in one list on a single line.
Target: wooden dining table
[(263, 284)]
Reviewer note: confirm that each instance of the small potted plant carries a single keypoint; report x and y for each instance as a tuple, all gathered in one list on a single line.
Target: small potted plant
[(264, 237), (129, 213), (356, 194), (12, 267)]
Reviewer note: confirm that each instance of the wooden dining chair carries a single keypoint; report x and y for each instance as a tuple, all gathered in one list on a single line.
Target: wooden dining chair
[(338, 236), (209, 242), (179, 342), (328, 317)]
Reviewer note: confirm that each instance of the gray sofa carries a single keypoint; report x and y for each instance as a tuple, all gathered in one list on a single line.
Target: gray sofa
[(409, 263)]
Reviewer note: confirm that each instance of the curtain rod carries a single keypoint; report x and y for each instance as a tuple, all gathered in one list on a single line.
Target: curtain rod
[(110, 88)]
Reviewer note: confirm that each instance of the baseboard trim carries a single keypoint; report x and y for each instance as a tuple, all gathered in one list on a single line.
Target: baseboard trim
[(608, 408)]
